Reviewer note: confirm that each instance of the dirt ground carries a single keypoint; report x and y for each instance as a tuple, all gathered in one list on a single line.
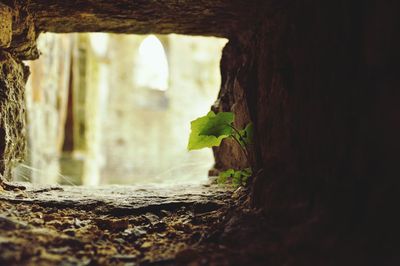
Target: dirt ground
[(172, 228)]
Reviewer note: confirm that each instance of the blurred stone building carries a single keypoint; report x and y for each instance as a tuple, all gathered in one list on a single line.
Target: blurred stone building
[(108, 108)]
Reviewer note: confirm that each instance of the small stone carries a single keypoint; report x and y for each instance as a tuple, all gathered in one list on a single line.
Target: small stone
[(37, 208), (112, 224), (50, 217), (56, 224), (69, 232), (59, 250), (7, 223), (37, 221), (183, 227), (134, 233), (146, 245), (159, 227), (21, 195), (152, 218), (165, 213), (78, 223), (125, 258), (237, 193), (106, 250)]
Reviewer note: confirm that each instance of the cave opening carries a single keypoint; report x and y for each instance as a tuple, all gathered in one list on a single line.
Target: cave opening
[(116, 109), (319, 80)]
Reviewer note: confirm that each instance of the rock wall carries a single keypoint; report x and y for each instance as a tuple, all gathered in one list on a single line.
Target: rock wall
[(232, 98), (219, 18), (321, 85), (12, 115), (319, 80), (17, 42)]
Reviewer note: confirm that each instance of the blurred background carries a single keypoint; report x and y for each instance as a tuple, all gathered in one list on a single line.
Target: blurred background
[(116, 109)]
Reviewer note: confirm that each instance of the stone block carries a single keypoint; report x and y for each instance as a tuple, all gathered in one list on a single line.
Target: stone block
[(5, 26)]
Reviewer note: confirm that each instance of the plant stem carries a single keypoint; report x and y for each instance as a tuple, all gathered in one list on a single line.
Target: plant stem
[(243, 147)]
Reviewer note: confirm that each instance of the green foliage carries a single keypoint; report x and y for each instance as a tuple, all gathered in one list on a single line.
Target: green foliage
[(210, 130), (236, 177), (245, 136), (225, 175), (218, 124)]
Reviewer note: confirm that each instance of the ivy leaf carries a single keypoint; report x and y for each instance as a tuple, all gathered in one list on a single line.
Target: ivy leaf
[(225, 175), (218, 125), (198, 140), (249, 132), (245, 135), (237, 177)]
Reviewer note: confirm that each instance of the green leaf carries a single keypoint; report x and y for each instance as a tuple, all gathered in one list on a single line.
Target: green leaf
[(247, 172), (237, 177), (249, 132), (225, 175), (245, 135), (199, 141), (218, 125)]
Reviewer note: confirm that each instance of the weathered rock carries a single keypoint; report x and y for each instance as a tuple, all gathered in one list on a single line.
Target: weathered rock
[(146, 245), (321, 92), (5, 26), (134, 233), (123, 200), (13, 76), (218, 18), (320, 81), (17, 42), (112, 224), (22, 43), (11, 224)]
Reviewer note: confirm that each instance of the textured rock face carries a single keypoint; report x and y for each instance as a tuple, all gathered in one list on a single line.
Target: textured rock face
[(193, 17), (5, 26), (12, 112), (22, 43), (321, 85), (17, 42), (321, 92), (231, 98), (320, 81)]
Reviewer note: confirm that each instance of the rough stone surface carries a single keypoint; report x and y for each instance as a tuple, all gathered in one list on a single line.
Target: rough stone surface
[(321, 83), (218, 18), (5, 26), (175, 233), (121, 200), (231, 98), (321, 92), (23, 45), (13, 76)]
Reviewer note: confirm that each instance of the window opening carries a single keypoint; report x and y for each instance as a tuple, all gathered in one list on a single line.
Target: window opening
[(116, 109)]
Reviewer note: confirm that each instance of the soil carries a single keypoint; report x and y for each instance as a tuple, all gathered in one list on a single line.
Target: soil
[(116, 226)]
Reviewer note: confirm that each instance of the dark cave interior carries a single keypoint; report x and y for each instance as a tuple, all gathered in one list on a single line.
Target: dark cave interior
[(318, 79)]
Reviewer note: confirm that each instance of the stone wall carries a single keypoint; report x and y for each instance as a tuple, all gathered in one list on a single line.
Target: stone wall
[(17, 42), (320, 81), (320, 84)]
